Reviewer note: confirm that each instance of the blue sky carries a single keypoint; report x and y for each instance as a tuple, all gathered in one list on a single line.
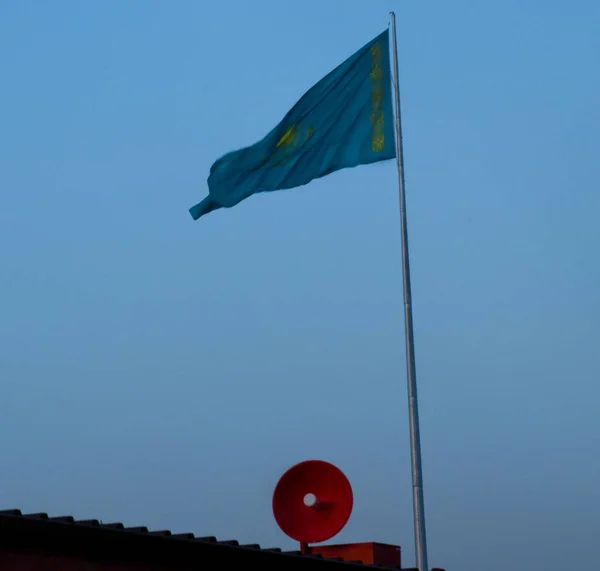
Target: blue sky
[(165, 372)]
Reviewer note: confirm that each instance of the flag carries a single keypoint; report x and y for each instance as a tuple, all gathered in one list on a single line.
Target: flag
[(343, 121)]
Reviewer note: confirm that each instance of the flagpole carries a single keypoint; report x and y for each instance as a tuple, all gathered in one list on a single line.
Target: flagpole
[(413, 410)]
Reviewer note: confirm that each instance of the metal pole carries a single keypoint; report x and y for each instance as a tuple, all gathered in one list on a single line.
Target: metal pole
[(413, 412)]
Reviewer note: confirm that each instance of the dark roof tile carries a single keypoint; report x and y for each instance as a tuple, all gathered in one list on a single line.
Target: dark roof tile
[(63, 519), (37, 516), (137, 529), (11, 512), (163, 533), (115, 525), (88, 522), (184, 535)]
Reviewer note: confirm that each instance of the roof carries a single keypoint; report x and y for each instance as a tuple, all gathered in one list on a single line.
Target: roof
[(113, 541)]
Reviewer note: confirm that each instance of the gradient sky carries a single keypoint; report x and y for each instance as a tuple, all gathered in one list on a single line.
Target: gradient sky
[(165, 372)]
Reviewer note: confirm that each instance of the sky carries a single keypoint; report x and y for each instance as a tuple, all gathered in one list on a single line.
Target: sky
[(164, 372)]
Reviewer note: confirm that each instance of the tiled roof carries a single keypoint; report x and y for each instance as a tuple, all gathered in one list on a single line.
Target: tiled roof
[(67, 534)]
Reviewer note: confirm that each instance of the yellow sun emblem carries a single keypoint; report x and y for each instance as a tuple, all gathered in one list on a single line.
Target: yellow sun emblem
[(294, 137), (288, 137)]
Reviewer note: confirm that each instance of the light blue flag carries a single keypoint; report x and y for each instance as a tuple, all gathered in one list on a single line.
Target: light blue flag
[(343, 121)]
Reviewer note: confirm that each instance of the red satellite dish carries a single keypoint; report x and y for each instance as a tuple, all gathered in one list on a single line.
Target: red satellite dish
[(312, 501)]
